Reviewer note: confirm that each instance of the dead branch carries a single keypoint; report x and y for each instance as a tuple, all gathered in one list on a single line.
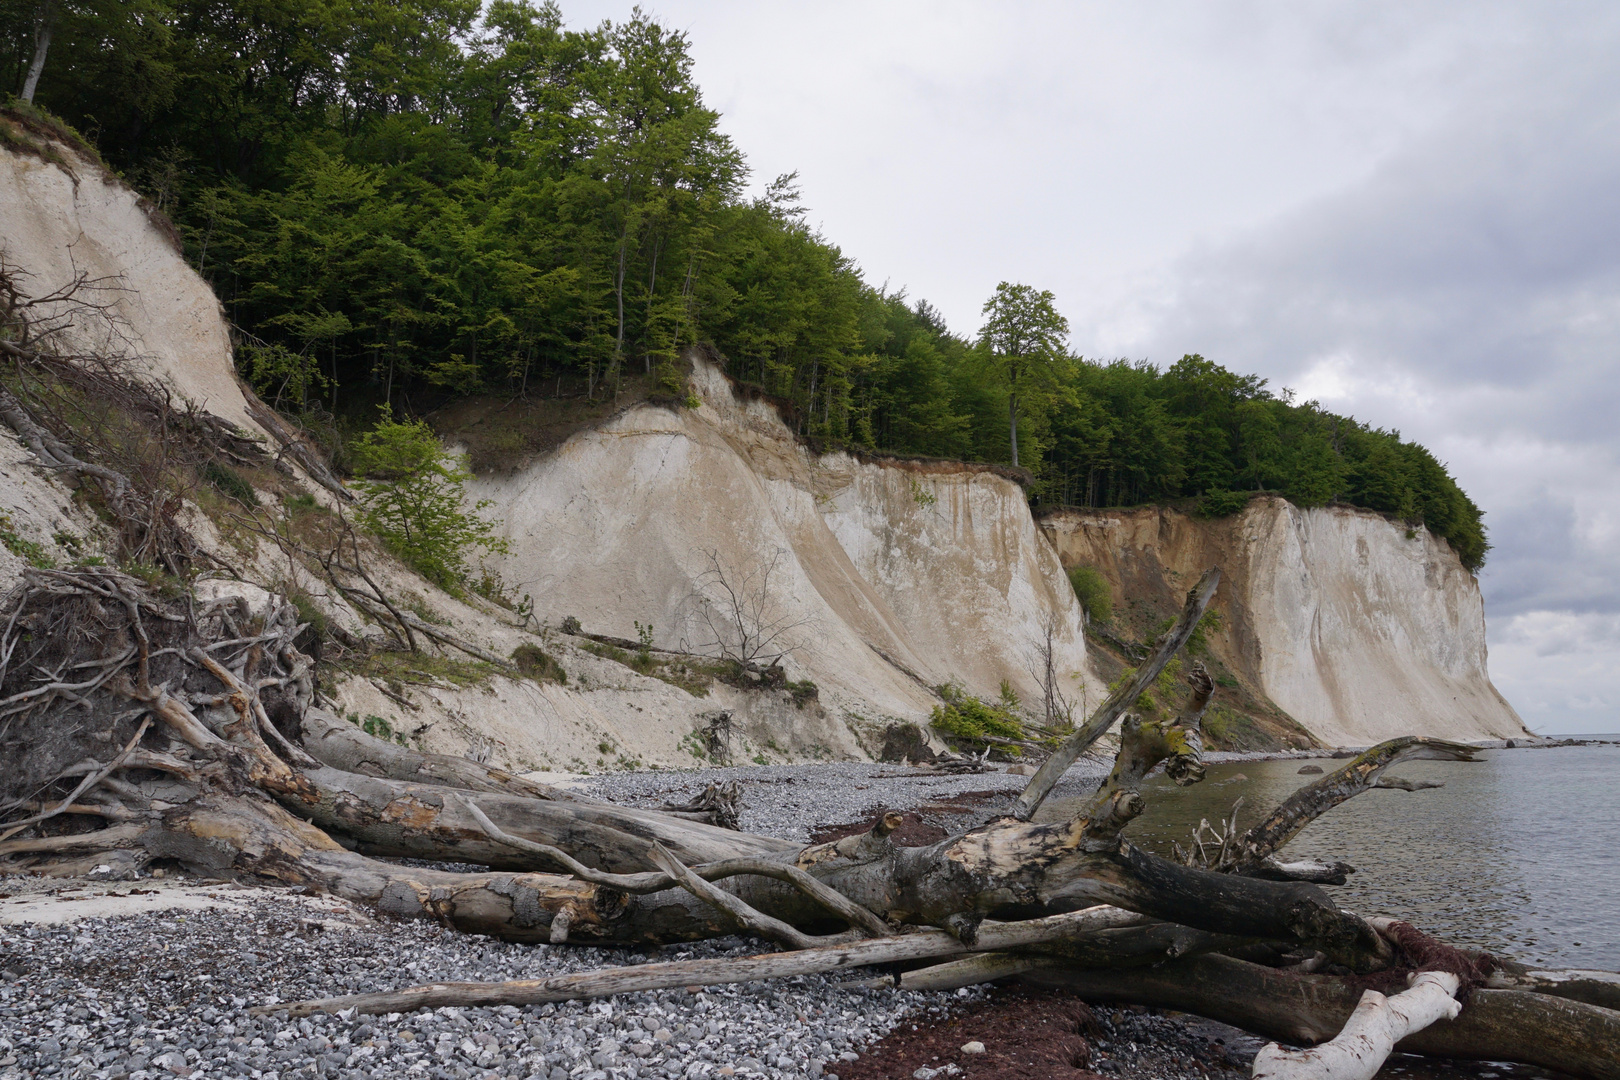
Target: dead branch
[(1053, 768), (606, 983)]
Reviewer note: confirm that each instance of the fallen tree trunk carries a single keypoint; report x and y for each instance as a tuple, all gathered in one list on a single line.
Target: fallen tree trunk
[(1495, 1025), (919, 945), (1369, 1036), (344, 746)]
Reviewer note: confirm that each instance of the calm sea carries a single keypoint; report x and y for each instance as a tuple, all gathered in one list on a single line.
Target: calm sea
[(1518, 854)]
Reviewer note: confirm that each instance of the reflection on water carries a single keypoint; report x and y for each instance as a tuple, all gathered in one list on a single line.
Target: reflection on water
[(1517, 853)]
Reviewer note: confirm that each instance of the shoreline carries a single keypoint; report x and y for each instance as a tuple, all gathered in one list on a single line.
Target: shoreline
[(151, 978)]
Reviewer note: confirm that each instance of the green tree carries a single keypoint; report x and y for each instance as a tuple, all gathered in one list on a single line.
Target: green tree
[(1026, 336), (413, 498)]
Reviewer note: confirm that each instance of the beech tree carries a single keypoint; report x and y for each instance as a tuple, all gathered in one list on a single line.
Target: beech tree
[(1025, 336)]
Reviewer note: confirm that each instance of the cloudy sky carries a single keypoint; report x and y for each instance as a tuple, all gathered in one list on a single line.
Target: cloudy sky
[(1408, 211)]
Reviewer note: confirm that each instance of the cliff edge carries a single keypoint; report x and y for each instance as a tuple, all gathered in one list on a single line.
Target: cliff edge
[(1357, 627)]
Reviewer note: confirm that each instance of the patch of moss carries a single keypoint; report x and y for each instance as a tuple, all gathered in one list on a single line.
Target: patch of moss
[(30, 551)]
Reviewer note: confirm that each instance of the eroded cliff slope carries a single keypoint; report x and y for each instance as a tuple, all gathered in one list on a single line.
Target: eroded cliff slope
[(886, 578), (1358, 627)]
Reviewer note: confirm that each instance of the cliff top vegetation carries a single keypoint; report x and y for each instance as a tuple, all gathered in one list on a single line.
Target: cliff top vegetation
[(409, 204)]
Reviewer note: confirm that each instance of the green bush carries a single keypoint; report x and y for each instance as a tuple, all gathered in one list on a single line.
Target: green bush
[(229, 482), (538, 664), (969, 718), (412, 499), (1219, 504), (1092, 590)]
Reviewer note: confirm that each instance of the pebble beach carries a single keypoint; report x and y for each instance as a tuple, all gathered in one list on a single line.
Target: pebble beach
[(153, 978)]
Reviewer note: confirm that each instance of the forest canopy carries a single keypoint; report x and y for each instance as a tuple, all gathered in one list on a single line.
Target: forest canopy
[(405, 203)]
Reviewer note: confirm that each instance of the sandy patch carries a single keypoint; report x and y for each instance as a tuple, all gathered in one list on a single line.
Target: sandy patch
[(50, 902)]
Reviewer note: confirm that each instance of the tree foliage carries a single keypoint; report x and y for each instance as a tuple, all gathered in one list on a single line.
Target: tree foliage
[(404, 203), (412, 496)]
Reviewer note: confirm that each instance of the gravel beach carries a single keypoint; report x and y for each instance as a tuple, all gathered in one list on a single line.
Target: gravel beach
[(153, 978)]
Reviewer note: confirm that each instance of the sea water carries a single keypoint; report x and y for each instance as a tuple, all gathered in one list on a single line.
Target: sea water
[(1518, 854)]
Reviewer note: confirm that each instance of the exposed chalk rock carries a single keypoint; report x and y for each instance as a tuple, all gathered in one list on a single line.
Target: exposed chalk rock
[(1359, 627)]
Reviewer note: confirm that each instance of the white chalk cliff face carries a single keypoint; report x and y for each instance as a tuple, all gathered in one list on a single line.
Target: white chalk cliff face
[(890, 577), (1357, 629), (59, 221)]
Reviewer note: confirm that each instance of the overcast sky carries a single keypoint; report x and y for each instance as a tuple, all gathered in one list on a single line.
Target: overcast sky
[(1408, 211)]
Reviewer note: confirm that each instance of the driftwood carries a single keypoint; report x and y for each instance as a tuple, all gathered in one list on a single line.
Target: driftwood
[(1367, 1039), (204, 748)]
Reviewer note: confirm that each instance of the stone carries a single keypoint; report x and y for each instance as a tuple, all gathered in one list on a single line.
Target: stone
[(1310, 770), (974, 1047), (1021, 770), (174, 1061)]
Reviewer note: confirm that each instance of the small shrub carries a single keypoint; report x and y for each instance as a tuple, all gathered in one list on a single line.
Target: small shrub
[(570, 625), (372, 725), (1092, 590), (922, 496), (804, 692), (538, 664), (229, 483), (693, 401), (1219, 504), (30, 551), (412, 498), (1226, 680), (308, 611), (969, 718), (300, 503)]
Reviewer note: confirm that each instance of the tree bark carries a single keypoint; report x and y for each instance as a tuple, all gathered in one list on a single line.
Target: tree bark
[(44, 27), (345, 746)]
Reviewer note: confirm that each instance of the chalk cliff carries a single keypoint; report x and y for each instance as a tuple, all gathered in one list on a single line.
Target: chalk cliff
[(1358, 627), (889, 576), (64, 217)]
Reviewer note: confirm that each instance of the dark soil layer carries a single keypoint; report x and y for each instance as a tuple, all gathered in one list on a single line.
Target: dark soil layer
[(1031, 1034)]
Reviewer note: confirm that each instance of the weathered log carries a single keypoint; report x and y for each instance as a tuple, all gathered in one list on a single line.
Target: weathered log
[(388, 817), (838, 905), (1053, 768), (1143, 744), (1369, 1036), (1495, 1025), (345, 746), (1593, 987), (1010, 868), (919, 945)]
